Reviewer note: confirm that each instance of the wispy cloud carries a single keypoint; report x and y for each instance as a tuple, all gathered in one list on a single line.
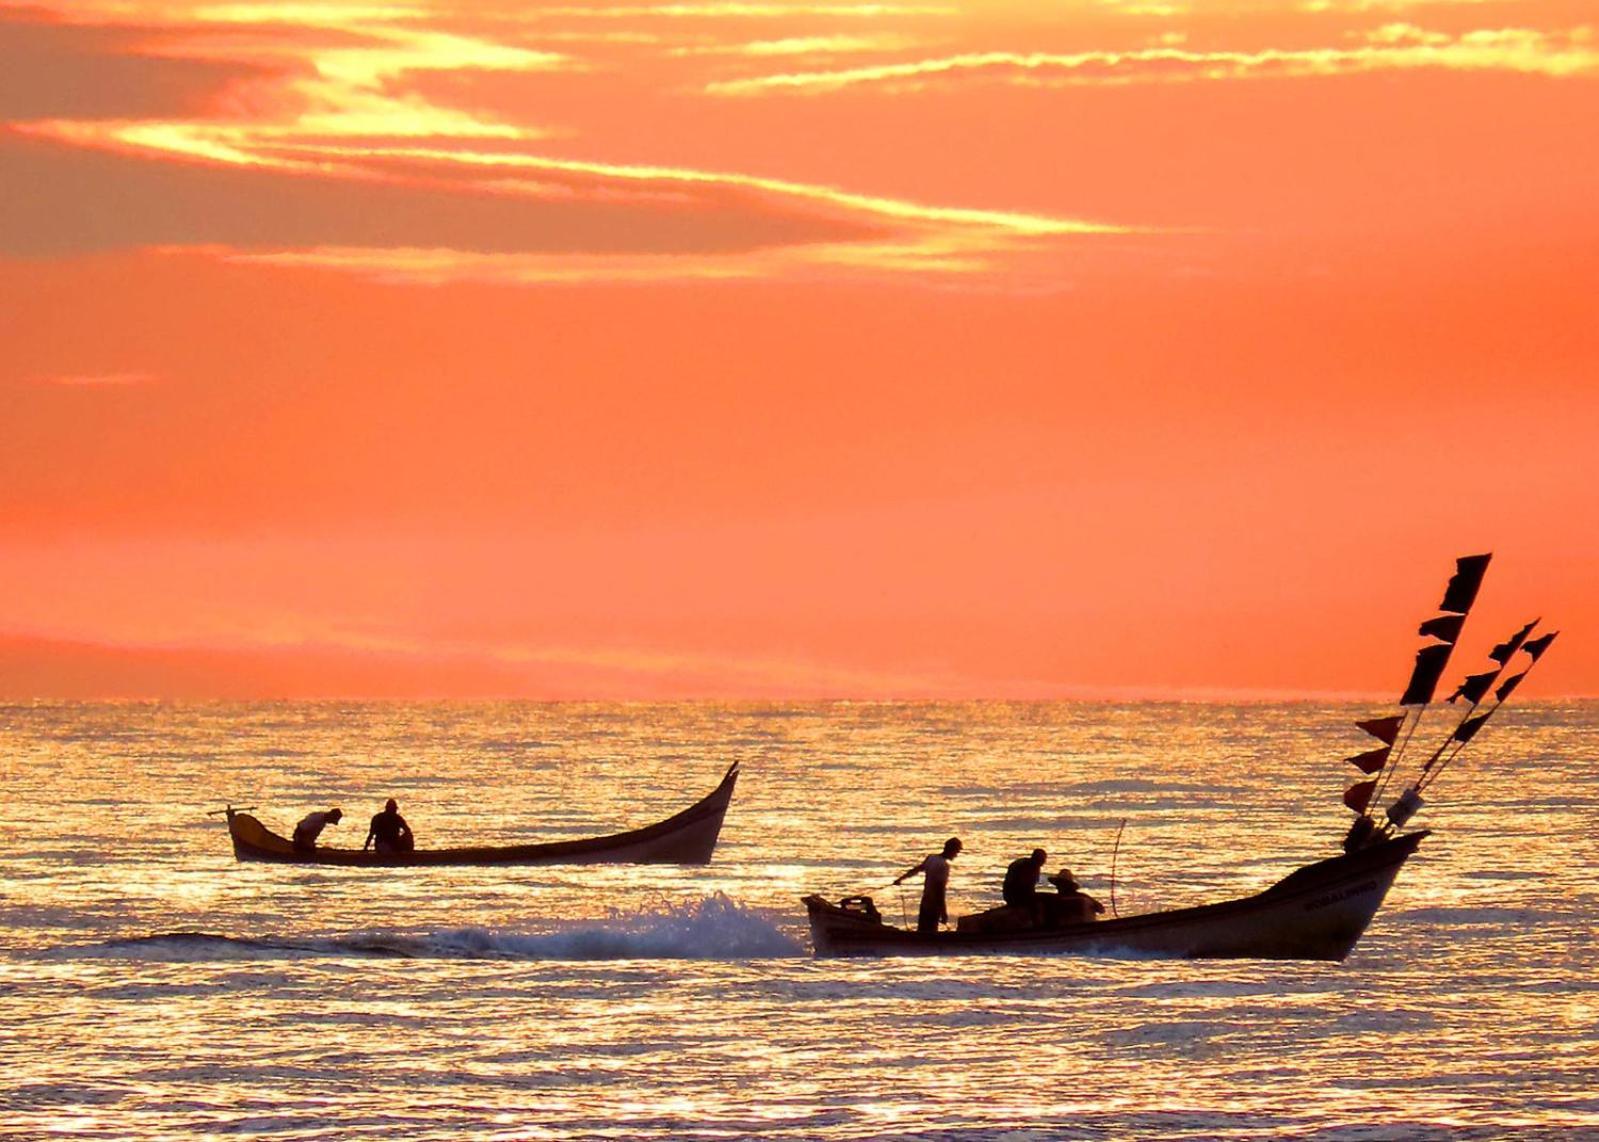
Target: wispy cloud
[(802, 46), (744, 11), (347, 109), (98, 380), (1573, 53)]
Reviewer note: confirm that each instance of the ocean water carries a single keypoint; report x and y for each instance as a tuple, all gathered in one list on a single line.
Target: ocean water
[(151, 987)]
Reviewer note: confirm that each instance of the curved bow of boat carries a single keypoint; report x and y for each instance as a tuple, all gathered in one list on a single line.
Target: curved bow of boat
[(688, 837)]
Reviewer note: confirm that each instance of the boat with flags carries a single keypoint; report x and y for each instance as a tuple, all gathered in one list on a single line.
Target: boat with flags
[(1316, 912), (688, 837)]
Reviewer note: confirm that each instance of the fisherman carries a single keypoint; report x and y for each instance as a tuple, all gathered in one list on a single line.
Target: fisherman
[(1070, 905), (390, 831), (1021, 879), (311, 826), (935, 879)]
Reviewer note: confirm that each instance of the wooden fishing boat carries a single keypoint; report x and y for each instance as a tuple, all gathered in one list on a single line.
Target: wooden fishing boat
[(1318, 912), (1315, 913), (688, 837)]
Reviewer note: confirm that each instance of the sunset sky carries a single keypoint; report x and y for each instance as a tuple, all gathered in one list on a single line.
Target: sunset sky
[(779, 349)]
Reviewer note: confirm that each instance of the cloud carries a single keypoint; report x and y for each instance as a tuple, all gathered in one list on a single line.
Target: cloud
[(801, 46), (331, 153), (1518, 50), (57, 71), (60, 201), (99, 380), (734, 10)]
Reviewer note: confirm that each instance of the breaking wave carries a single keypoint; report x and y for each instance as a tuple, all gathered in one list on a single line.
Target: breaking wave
[(714, 928)]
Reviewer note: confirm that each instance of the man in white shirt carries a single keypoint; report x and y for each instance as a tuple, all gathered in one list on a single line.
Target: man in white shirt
[(935, 880), (310, 828)]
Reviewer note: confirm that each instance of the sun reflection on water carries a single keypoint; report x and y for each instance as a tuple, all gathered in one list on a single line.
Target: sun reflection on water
[(149, 985)]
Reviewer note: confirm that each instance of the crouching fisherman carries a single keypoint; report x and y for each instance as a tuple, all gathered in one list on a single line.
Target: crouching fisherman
[(390, 832), (310, 828), (1070, 904)]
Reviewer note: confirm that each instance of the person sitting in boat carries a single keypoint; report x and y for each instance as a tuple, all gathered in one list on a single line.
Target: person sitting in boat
[(311, 826), (935, 880), (1021, 880), (1070, 904), (390, 832)]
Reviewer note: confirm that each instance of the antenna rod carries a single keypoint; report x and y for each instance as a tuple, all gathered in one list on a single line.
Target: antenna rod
[(1114, 849)]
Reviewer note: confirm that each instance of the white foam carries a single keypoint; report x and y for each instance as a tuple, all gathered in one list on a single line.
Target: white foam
[(712, 928)]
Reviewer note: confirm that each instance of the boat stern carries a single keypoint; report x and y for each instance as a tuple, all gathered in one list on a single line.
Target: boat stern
[(254, 841)]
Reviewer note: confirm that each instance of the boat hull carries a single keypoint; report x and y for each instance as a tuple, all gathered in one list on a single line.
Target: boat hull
[(1318, 912), (688, 837)]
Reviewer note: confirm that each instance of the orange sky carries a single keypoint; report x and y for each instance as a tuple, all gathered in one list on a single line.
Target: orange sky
[(464, 347)]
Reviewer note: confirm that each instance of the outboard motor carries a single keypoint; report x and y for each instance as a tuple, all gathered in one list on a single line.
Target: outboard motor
[(861, 906)]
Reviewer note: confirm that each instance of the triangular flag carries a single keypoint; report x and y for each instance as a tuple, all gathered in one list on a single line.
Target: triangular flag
[(1509, 687), (1370, 761), (1463, 584), (1501, 653), (1537, 646), (1383, 729), (1357, 797), (1430, 663), (1445, 627), (1474, 687), (1467, 729)]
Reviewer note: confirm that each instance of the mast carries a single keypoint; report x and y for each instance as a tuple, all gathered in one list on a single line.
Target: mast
[(1469, 724), (1381, 764), (1431, 660)]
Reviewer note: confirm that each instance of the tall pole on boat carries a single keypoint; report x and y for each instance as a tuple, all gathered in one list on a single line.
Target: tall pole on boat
[(1468, 725), (1459, 594)]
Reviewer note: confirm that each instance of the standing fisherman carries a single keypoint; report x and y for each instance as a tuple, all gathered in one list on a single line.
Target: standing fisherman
[(935, 879)]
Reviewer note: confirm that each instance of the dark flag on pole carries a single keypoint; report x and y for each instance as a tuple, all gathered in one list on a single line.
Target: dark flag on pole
[(1501, 653), (1383, 729), (1445, 627), (1463, 584), (1467, 729), (1430, 663), (1357, 797), (1370, 761), (1509, 687), (1474, 687), (1537, 646)]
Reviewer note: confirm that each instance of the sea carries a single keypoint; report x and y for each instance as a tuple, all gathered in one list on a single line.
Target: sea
[(151, 987)]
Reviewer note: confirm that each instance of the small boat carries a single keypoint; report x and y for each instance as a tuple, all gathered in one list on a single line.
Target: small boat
[(688, 837), (1317, 912)]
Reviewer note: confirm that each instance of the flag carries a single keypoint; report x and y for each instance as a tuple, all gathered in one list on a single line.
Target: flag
[(1371, 761), (1383, 729), (1445, 627), (1463, 584), (1509, 687), (1430, 663), (1501, 653), (1357, 797), (1474, 687), (1467, 729), (1537, 646)]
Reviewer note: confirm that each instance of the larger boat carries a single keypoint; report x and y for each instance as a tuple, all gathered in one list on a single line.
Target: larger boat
[(688, 837), (1317, 912)]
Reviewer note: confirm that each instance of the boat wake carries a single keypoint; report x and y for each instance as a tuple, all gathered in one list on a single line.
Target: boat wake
[(714, 928)]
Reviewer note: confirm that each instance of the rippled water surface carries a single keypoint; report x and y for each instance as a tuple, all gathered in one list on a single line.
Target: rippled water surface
[(150, 987)]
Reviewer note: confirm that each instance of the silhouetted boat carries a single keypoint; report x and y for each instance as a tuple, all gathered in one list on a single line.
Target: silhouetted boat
[(688, 837), (1315, 913), (1318, 912)]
